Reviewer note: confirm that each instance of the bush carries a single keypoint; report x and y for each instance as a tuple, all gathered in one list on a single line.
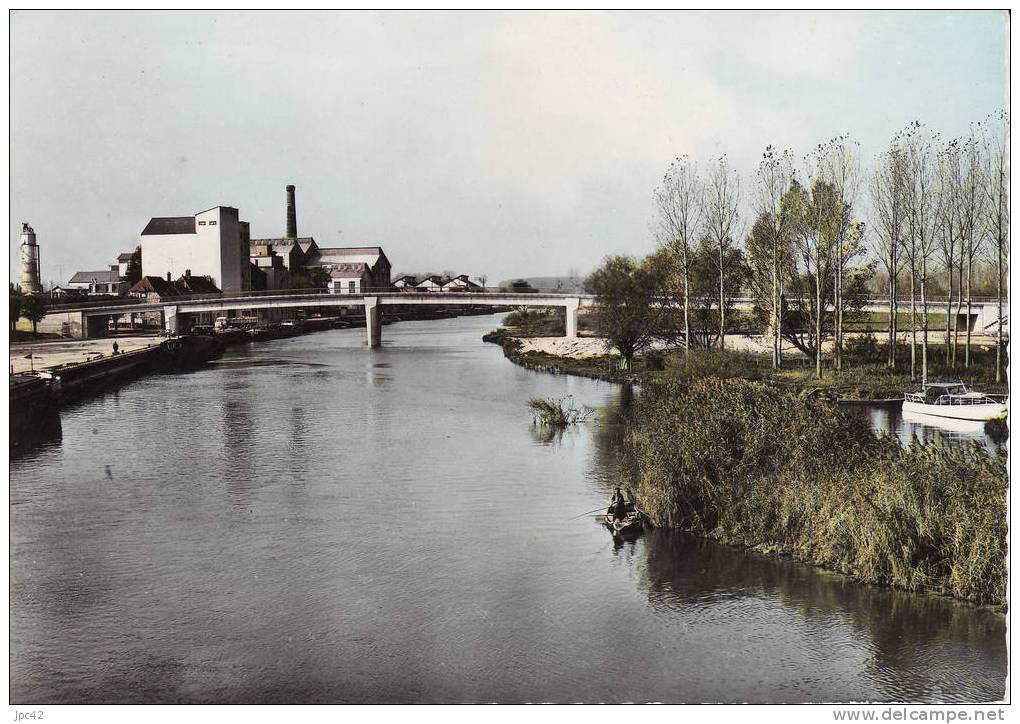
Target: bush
[(863, 348), (750, 464)]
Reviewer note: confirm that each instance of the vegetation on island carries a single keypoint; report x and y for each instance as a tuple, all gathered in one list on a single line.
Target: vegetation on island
[(749, 463), (558, 413)]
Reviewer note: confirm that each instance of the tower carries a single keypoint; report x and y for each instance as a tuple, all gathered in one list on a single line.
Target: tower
[(291, 214), (30, 277)]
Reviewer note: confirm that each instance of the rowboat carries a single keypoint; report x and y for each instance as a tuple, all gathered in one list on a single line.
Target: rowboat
[(953, 400), (632, 523)]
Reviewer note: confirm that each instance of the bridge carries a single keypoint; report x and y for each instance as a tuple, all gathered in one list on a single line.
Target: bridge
[(89, 319)]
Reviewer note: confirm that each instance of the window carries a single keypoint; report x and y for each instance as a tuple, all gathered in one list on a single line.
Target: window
[(201, 223), (350, 287), (212, 223)]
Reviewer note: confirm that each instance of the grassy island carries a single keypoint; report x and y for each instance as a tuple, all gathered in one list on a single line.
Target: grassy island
[(752, 464)]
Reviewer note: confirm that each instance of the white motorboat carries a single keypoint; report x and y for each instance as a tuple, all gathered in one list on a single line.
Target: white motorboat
[(954, 400)]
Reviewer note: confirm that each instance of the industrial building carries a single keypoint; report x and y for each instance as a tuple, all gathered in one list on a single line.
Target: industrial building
[(212, 243), (365, 266)]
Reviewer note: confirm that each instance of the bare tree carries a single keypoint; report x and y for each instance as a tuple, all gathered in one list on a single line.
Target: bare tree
[(888, 201), (813, 210), (721, 202), (996, 148), (924, 204), (951, 187), (774, 178), (970, 202), (679, 202), (839, 162)]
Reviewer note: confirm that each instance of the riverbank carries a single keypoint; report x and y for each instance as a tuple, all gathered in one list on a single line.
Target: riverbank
[(865, 378)]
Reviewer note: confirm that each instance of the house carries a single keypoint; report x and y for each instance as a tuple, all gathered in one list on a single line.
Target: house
[(355, 278), (66, 293), (461, 283), (158, 289), (406, 282), (107, 281), (155, 289), (192, 285), (373, 257), (430, 284), (213, 243)]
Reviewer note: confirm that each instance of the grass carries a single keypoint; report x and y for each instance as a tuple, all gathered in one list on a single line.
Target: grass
[(752, 464), (558, 413)]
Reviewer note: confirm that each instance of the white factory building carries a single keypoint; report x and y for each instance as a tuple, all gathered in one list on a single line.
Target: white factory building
[(212, 243)]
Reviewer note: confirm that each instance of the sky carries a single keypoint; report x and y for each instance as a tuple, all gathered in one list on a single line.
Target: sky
[(502, 144)]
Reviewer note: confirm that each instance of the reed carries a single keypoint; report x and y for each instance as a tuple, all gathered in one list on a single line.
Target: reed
[(558, 413), (752, 464)]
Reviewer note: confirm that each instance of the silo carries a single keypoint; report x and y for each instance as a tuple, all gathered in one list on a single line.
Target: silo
[(30, 278)]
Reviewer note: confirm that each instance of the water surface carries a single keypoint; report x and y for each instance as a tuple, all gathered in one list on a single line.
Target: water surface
[(308, 520)]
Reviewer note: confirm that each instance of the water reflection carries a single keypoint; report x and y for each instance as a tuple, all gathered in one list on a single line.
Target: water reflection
[(898, 631), (910, 426), (35, 432)]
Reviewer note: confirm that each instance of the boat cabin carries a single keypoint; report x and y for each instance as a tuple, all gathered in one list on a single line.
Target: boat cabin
[(932, 391)]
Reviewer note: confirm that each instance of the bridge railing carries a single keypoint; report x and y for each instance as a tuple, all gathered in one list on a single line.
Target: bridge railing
[(390, 292)]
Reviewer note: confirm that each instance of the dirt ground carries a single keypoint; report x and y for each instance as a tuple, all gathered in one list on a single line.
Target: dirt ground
[(584, 347), (50, 353)]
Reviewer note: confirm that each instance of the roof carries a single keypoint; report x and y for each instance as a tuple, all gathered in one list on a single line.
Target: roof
[(462, 282), (351, 250), (125, 256), (406, 278), (159, 225), (157, 285), (333, 255), (301, 241), (87, 277), (434, 279), (197, 285), (181, 287), (349, 271)]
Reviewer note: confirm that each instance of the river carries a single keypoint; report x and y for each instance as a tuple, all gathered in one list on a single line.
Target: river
[(308, 520)]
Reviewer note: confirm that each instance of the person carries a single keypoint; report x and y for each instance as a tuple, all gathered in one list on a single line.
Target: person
[(618, 506), (115, 348)]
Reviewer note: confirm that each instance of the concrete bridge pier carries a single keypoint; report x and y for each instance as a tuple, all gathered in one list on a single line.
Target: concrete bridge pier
[(92, 327), (173, 321), (571, 310), (373, 321)]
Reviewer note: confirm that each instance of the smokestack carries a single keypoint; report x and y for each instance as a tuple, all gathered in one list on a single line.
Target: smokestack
[(291, 214)]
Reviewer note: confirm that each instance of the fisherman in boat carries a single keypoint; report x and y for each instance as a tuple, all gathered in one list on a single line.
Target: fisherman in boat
[(618, 507)]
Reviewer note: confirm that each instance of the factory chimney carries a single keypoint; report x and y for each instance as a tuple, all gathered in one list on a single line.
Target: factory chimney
[(30, 278), (291, 214)]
